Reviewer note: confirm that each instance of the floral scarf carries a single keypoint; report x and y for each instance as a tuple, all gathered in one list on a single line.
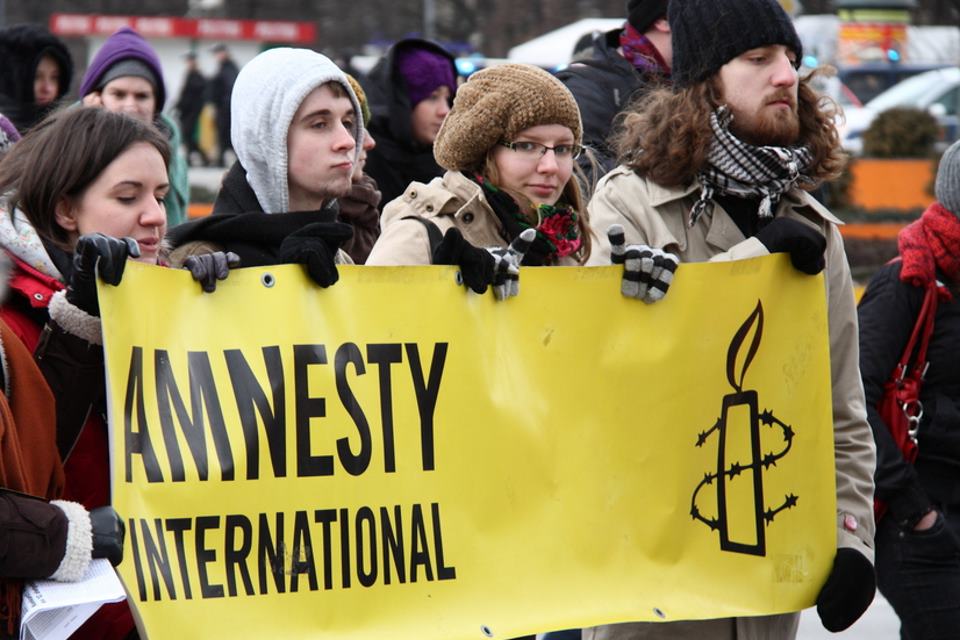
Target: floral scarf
[(558, 235)]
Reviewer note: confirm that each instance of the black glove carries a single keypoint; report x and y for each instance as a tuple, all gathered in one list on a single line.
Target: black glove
[(848, 592), (477, 266), (207, 268), (93, 252), (804, 244), (108, 532), (315, 246)]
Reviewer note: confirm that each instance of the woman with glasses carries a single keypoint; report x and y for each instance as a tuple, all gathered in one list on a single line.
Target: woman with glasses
[(508, 147)]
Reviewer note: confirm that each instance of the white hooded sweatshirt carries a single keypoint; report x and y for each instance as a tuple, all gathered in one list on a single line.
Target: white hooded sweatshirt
[(268, 91)]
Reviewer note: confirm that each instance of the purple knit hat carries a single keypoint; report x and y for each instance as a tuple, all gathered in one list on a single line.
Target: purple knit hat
[(8, 135), (423, 71), (124, 44)]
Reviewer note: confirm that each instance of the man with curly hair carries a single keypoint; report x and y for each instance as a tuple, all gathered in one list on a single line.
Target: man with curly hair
[(718, 168)]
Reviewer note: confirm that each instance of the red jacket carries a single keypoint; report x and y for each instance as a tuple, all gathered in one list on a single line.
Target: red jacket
[(87, 468)]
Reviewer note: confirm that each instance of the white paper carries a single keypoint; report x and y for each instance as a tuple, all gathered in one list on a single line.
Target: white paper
[(53, 610)]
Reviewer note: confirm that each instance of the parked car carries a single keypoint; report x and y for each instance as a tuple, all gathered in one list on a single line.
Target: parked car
[(869, 80), (937, 92)]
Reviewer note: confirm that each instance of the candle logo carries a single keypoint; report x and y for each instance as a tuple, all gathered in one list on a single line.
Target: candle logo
[(741, 516)]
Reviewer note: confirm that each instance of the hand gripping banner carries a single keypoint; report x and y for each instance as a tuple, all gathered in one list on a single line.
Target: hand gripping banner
[(394, 457)]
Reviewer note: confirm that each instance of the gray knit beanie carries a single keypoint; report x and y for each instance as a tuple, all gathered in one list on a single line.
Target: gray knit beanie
[(947, 187)]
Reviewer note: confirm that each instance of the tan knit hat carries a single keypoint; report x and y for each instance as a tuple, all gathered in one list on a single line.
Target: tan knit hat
[(496, 104), (361, 98)]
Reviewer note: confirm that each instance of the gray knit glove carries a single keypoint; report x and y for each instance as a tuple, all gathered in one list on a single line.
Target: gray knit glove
[(506, 269), (647, 272)]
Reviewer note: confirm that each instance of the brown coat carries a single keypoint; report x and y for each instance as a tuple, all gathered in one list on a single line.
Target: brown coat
[(659, 217), (33, 533)]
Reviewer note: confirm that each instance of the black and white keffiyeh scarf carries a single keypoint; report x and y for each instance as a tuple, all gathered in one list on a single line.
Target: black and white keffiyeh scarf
[(737, 168)]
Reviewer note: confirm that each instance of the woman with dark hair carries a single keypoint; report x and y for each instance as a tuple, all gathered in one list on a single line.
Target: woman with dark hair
[(83, 192), (509, 146), (35, 75)]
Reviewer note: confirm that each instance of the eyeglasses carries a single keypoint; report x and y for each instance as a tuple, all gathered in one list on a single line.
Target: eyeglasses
[(535, 150)]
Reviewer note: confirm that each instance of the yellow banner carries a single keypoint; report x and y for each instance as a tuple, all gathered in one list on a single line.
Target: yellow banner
[(394, 457)]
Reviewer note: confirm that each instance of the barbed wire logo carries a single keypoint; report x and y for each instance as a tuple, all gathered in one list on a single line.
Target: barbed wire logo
[(751, 542)]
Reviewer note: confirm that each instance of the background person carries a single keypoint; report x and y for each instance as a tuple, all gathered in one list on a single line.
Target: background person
[(221, 92), (189, 106), (410, 90), (36, 73), (918, 564), (622, 66), (125, 76), (360, 207)]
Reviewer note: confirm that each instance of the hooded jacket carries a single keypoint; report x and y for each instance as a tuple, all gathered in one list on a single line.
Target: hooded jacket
[(21, 49), (127, 44), (251, 215), (124, 44), (397, 160)]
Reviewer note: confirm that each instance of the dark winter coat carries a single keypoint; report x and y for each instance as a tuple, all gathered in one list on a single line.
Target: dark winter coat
[(221, 85), (888, 312), (192, 98), (21, 48), (398, 159), (603, 85), (239, 224)]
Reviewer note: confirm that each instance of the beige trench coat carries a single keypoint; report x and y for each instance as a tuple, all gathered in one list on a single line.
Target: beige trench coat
[(450, 201), (659, 217)]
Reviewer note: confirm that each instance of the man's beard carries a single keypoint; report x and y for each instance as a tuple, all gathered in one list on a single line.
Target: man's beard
[(770, 127)]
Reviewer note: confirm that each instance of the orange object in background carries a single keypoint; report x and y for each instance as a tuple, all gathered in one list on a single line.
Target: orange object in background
[(199, 210), (885, 184), (871, 230)]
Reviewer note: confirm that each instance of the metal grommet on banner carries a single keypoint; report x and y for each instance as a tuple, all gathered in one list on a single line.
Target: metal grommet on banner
[(657, 611), (459, 279), (487, 631), (268, 280)]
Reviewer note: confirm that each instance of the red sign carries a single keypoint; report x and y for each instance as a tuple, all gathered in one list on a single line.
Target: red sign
[(77, 24)]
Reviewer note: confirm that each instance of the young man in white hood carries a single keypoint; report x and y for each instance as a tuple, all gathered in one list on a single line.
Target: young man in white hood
[(295, 126)]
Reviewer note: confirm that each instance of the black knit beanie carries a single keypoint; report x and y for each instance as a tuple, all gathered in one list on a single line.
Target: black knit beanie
[(708, 34), (643, 13)]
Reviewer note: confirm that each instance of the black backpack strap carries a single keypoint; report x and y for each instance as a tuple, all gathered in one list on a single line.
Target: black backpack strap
[(433, 232)]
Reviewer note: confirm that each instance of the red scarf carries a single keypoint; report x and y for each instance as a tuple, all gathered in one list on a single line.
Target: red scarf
[(641, 53), (929, 244)]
